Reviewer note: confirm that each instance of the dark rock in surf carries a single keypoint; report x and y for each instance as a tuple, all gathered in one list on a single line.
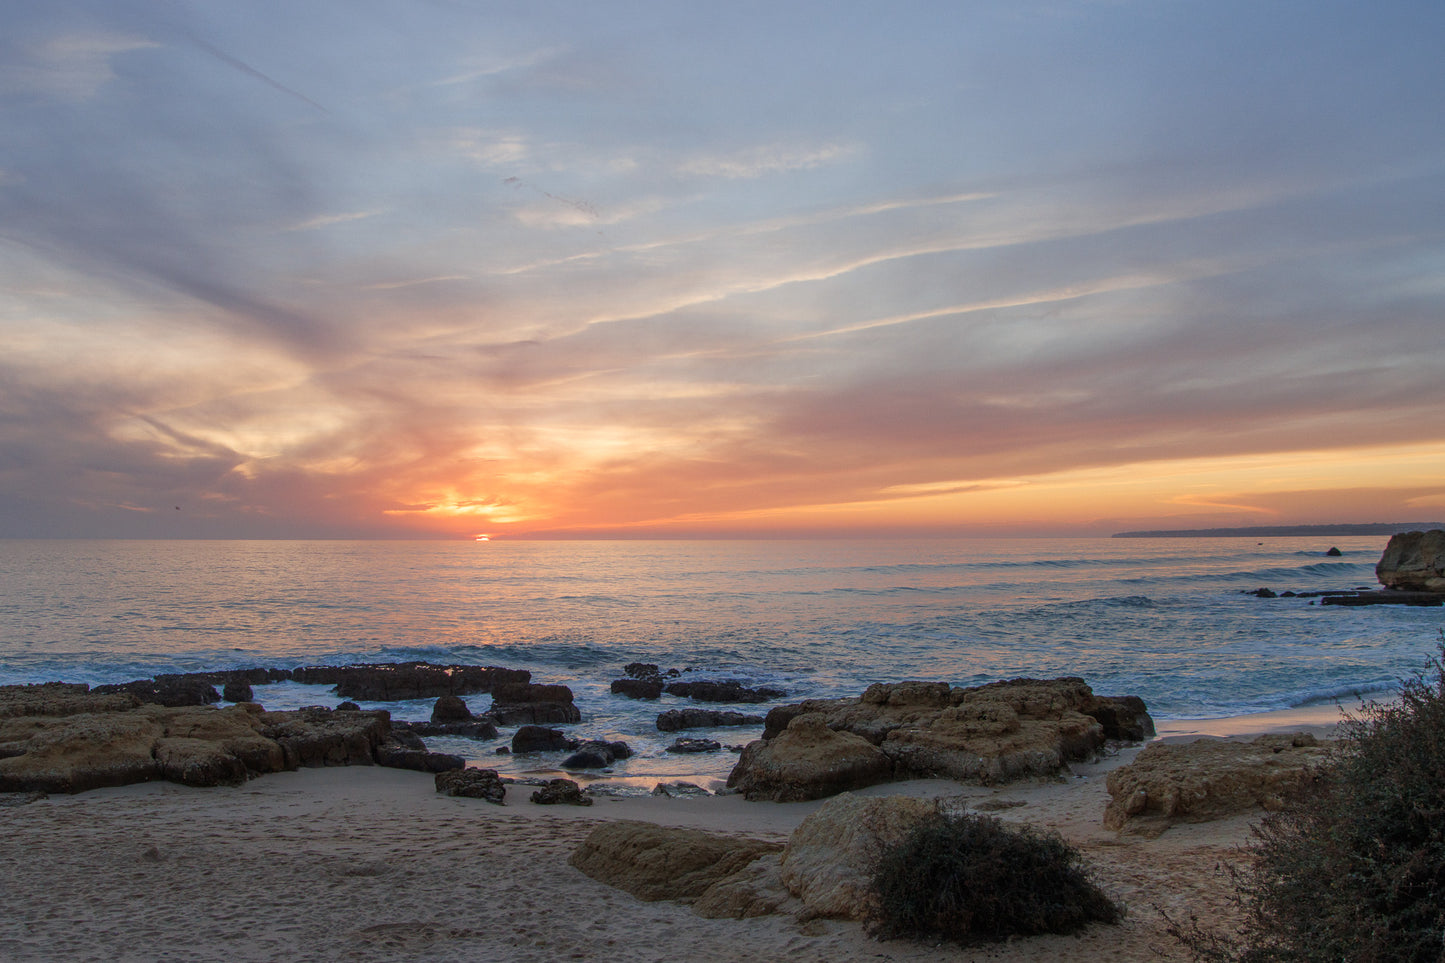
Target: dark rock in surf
[(450, 708), (473, 784), (1334, 552), (528, 703), (637, 688), (479, 727), (348, 707), (1263, 593), (642, 671), (396, 681), (173, 691), (396, 756), (727, 690), (674, 719), (541, 739), (596, 754), (237, 692)]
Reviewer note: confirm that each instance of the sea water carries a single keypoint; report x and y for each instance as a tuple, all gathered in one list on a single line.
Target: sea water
[(1164, 619)]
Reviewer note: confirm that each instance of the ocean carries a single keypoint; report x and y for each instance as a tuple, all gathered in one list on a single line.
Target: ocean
[(1164, 619)]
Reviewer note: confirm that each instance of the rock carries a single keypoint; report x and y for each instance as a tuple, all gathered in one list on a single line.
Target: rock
[(755, 890), (404, 737), (637, 688), (541, 739), (1263, 593), (596, 754), (450, 708), (237, 692), (396, 756), (473, 784), (1414, 562), (728, 690), (664, 862), (560, 791), (396, 681), (348, 707), (674, 719), (60, 699), (526, 703), (694, 745), (1386, 597), (645, 671), (1334, 552), (808, 761), (1209, 779), (162, 691), (829, 860), (480, 727), (989, 734), (317, 736), (673, 789)]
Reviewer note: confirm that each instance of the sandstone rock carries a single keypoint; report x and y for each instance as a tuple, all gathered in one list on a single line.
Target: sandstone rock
[(473, 784), (541, 739), (728, 690), (596, 754), (203, 746), (450, 708), (808, 761), (60, 699), (76, 753), (1209, 779), (674, 719), (679, 788), (829, 859), (989, 734), (395, 681), (560, 791), (755, 890), (637, 688), (527, 703), (396, 756), (1414, 562), (320, 737), (664, 862)]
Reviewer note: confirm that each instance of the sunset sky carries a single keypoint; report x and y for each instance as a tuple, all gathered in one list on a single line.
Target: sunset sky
[(452, 267)]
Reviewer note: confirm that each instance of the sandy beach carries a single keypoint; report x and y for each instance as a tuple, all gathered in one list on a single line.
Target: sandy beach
[(365, 863)]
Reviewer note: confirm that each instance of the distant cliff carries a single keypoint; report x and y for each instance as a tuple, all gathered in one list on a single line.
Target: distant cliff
[(1263, 531)]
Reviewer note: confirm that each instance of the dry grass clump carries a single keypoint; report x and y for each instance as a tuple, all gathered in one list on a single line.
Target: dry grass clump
[(1355, 869), (971, 879)]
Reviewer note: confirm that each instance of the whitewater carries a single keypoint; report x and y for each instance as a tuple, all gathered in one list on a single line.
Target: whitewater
[(1164, 619)]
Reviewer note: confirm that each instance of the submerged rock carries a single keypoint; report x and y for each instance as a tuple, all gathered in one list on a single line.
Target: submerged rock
[(638, 688), (674, 719), (396, 681), (727, 690), (596, 754)]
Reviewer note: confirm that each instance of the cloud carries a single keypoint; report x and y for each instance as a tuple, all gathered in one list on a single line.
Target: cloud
[(67, 66), (766, 159)]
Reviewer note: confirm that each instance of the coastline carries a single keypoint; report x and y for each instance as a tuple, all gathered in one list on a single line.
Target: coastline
[(368, 863)]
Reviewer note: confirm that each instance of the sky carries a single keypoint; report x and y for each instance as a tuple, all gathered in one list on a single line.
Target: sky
[(446, 268)]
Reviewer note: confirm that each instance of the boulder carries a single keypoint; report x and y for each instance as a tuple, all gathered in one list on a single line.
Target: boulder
[(530, 704), (646, 671), (727, 690), (1209, 779), (988, 734), (755, 890), (693, 745), (450, 708), (318, 736), (396, 681), (560, 792), (596, 754), (829, 860), (674, 719), (1414, 562), (664, 862), (237, 692), (396, 756), (347, 706), (473, 784), (637, 688), (541, 739), (808, 761)]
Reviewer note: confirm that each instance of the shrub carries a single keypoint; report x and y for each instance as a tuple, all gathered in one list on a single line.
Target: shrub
[(1355, 870), (971, 879)]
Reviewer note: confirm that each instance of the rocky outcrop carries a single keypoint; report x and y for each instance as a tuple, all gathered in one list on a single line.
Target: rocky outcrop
[(726, 690), (166, 691), (395, 681), (829, 860), (473, 784), (1209, 779), (396, 756), (237, 692), (530, 704), (674, 719), (560, 792), (664, 862), (988, 734), (638, 688), (478, 727), (1414, 562), (808, 760), (62, 738)]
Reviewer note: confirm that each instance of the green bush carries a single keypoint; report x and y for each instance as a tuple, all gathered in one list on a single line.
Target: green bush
[(1355, 870), (971, 879)]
